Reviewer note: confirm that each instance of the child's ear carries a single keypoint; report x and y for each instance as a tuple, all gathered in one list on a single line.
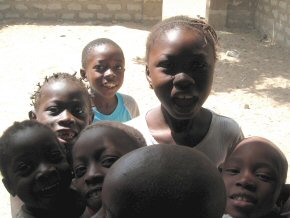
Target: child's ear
[(32, 115), (148, 77), (8, 187), (83, 73), (220, 167)]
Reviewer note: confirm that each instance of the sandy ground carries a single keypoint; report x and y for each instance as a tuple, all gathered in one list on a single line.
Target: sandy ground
[(253, 87)]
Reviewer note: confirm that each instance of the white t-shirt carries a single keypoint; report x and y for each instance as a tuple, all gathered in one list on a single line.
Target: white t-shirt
[(223, 134)]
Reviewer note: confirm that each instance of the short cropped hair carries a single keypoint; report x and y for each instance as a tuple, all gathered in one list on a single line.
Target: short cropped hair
[(131, 132), (91, 45), (164, 181), (282, 160)]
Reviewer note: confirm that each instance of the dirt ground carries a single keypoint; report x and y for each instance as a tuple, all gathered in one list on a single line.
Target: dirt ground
[(252, 87)]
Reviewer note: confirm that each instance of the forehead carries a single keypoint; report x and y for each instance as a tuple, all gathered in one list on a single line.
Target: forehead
[(257, 152), (105, 49), (103, 138), (35, 139), (183, 39), (62, 89)]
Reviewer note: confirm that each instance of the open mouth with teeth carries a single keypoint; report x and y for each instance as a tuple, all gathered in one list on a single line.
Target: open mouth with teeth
[(110, 85), (50, 190), (95, 193), (66, 135), (185, 100), (243, 199)]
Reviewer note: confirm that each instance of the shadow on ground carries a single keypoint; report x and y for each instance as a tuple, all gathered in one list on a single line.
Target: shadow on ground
[(252, 64)]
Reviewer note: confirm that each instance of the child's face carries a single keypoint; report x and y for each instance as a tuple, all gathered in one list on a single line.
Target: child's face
[(252, 176), (93, 154), (105, 70), (38, 171), (65, 109), (180, 69)]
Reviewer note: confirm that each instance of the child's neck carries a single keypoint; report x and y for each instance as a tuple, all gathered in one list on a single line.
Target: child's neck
[(190, 131), (105, 105), (37, 212), (168, 130), (69, 204)]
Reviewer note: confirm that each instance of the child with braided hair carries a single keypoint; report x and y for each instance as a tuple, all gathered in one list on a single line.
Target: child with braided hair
[(62, 103), (181, 56)]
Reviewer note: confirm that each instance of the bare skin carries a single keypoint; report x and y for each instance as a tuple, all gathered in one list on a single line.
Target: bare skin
[(180, 70)]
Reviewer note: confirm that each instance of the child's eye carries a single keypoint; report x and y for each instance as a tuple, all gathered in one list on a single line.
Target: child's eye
[(167, 67), (232, 171), (118, 68), (108, 161), (198, 65), (100, 68), (166, 64), (55, 156), (265, 177), (23, 168), (80, 171), (54, 110), (78, 110)]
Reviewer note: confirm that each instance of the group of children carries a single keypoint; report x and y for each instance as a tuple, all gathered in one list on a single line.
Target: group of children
[(58, 163)]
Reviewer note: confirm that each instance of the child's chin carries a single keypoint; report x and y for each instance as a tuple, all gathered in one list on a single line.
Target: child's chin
[(237, 214), (95, 205), (66, 142)]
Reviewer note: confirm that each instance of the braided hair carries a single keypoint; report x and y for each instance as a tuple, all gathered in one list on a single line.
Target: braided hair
[(210, 36), (35, 97)]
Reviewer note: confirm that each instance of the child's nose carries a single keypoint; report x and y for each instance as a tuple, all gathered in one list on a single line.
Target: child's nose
[(109, 73), (247, 181), (45, 172), (183, 80), (66, 118), (94, 175)]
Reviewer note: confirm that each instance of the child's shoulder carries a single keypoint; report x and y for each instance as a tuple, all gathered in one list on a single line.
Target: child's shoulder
[(130, 104), (226, 126), (22, 213), (224, 120), (125, 97)]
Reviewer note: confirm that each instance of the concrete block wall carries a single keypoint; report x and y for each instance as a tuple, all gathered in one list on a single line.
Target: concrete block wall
[(216, 13), (239, 13), (82, 10), (272, 18), (230, 13)]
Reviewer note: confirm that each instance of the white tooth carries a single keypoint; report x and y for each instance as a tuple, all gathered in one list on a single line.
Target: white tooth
[(184, 97), (110, 85)]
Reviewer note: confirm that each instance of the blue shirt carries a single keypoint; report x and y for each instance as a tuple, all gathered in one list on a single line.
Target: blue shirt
[(120, 113)]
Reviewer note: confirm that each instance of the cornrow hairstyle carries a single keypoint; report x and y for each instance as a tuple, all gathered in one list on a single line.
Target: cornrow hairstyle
[(181, 21), (97, 42), (9, 133), (131, 132), (58, 77)]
